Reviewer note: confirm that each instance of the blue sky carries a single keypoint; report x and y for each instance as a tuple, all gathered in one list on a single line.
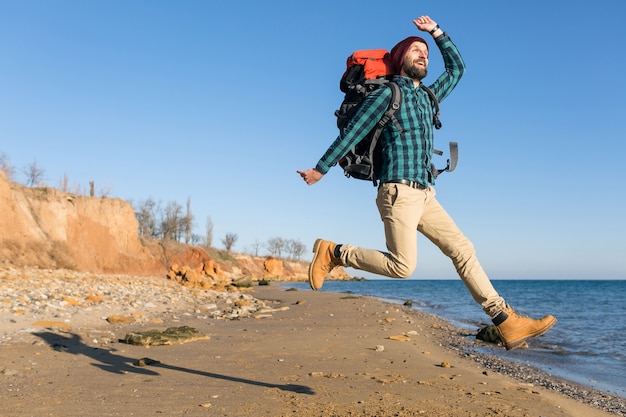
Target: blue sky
[(222, 103)]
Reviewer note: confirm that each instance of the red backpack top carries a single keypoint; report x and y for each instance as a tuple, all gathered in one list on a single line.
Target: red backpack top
[(376, 63)]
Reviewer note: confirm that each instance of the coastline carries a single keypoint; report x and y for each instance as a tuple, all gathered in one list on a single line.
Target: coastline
[(464, 343), (304, 352), (574, 351)]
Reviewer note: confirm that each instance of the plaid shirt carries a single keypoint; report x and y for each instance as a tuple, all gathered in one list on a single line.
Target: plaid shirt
[(405, 155)]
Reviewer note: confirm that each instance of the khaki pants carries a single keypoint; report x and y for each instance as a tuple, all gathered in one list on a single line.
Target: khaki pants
[(404, 210)]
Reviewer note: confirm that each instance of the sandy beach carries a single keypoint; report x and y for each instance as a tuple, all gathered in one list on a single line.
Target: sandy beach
[(268, 352)]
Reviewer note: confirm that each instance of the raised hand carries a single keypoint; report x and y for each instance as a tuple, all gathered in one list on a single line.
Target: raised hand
[(425, 23)]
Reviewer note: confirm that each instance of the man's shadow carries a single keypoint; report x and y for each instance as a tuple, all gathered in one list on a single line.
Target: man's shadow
[(109, 361)]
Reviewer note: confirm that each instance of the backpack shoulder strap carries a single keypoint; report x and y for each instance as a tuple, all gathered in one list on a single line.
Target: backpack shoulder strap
[(454, 148), (454, 157), (435, 101), (394, 104)]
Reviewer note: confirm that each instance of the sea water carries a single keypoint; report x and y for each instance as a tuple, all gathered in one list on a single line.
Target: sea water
[(587, 345)]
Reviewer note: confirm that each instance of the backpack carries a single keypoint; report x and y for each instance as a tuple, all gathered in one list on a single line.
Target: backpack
[(366, 71)]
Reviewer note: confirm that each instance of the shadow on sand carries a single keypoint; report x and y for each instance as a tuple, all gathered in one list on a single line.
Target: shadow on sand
[(110, 361)]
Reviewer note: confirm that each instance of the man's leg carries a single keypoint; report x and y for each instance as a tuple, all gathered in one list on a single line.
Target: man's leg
[(400, 208), (440, 229), (514, 329)]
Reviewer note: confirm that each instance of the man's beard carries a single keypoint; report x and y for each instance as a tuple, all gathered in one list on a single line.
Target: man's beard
[(415, 72)]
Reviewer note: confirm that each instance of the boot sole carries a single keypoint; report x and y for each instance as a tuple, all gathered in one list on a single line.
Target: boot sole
[(518, 343), (316, 251)]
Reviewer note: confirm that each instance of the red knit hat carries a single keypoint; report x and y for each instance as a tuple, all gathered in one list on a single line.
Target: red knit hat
[(399, 51)]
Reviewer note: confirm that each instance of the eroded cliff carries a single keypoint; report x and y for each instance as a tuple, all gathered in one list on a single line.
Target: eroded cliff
[(48, 228)]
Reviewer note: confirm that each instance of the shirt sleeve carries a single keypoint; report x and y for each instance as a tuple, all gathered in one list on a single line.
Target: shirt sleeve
[(363, 121), (454, 67)]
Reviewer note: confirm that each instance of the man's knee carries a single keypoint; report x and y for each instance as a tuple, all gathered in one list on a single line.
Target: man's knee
[(461, 252), (402, 270)]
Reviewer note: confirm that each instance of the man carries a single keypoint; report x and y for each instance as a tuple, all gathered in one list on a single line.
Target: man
[(406, 199)]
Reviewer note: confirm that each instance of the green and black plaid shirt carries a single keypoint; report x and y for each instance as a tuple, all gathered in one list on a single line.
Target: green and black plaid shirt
[(408, 155)]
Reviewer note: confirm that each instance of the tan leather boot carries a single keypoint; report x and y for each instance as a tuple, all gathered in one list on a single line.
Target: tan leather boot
[(324, 261), (515, 329)]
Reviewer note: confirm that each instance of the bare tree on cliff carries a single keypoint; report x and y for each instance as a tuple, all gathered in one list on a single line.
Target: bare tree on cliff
[(64, 183), (170, 222), (295, 248), (229, 241), (256, 246), (34, 174), (188, 222), (276, 246), (208, 239), (6, 167), (106, 191), (146, 214)]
